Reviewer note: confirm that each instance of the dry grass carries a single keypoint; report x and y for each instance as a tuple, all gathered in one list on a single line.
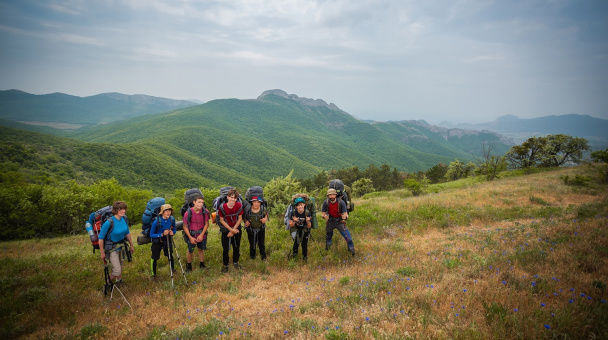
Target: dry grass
[(500, 275)]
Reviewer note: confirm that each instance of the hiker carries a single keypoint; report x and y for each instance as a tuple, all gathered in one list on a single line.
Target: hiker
[(196, 223), (161, 234), (255, 222), (335, 213), (299, 225), (231, 215), (113, 237)]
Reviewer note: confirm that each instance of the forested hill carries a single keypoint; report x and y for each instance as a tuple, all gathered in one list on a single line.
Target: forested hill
[(63, 108), (249, 142)]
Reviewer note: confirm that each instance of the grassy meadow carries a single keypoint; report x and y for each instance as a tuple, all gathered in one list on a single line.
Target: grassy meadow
[(525, 256)]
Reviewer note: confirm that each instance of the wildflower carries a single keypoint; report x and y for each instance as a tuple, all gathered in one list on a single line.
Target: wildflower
[(366, 318), (515, 310), (547, 327), (464, 290), (542, 305)]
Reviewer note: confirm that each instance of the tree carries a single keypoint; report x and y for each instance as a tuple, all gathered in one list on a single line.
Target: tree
[(601, 157), (362, 186), (560, 149), (458, 170), (491, 164), (436, 173), (278, 192), (525, 155), (547, 151)]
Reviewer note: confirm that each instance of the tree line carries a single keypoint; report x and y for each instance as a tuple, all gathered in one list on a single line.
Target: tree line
[(39, 209)]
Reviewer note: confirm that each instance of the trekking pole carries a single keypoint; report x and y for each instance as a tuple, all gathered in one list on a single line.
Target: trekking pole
[(107, 286), (113, 286), (179, 260), (170, 250)]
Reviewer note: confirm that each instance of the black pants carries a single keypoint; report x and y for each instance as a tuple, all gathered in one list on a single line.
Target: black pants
[(235, 243), (301, 238), (256, 238), (164, 244)]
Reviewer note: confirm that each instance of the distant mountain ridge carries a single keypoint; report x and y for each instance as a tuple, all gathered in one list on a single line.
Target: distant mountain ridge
[(595, 130), (102, 108), (249, 142)]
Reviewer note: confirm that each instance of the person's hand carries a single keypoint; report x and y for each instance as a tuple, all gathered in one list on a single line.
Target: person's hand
[(166, 232), (230, 234), (199, 238), (132, 249), (235, 231), (171, 232), (192, 240), (103, 254), (247, 224), (325, 216), (307, 218), (263, 220)]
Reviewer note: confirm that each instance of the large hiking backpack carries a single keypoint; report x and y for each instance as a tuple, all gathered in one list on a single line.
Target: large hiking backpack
[(252, 192), (152, 210), (220, 200), (189, 199), (310, 207), (96, 220), (342, 191)]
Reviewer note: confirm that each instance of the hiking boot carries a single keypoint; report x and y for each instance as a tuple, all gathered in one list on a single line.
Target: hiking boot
[(352, 251), (154, 278), (188, 267), (202, 265), (119, 283), (224, 269), (237, 266), (306, 259)]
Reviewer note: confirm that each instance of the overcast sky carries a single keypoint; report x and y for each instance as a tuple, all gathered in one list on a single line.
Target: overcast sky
[(461, 61)]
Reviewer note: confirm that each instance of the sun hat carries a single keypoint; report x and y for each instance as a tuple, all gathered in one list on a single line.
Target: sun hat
[(332, 191), (299, 200), (165, 207)]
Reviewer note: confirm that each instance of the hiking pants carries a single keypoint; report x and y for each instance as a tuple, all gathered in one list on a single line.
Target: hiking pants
[(329, 230), (233, 242), (300, 236), (256, 238), (162, 244), (116, 261)]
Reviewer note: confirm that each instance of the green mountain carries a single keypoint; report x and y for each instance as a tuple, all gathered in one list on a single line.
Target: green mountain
[(248, 142), (62, 108)]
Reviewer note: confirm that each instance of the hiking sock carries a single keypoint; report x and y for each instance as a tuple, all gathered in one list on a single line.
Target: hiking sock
[(153, 266), (188, 267)]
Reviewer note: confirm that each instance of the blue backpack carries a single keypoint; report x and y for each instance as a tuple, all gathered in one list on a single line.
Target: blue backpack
[(152, 210)]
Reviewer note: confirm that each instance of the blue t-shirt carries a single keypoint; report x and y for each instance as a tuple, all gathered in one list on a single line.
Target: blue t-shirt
[(119, 232), (165, 224)]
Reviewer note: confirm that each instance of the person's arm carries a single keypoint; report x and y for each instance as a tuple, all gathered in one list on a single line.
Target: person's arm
[(131, 243), (344, 210), (154, 229), (103, 232), (324, 210), (308, 223)]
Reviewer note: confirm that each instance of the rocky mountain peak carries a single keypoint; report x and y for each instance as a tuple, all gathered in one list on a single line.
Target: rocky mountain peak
[(301, 100)]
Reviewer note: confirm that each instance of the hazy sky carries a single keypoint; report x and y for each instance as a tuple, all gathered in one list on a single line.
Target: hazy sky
[(462, 61)]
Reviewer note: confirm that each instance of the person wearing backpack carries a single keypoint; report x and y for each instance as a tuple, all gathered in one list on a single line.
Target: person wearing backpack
[(255, 223), (335, 213), (113, 239), (163, 228), (196, 223), (299, 225), (231, 216)]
